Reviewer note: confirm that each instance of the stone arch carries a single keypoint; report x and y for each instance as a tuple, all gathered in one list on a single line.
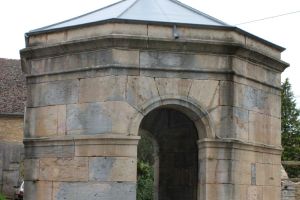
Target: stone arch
[(187, 105), (176, 138)]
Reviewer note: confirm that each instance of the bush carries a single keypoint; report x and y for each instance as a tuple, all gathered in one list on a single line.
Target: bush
[(2, 197), (145, 181)]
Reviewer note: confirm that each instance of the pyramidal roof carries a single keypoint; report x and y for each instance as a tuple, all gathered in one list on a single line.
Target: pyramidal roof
[(165, 11)]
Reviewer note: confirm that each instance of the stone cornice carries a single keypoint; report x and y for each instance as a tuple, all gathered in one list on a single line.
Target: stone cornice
[(146, 43)]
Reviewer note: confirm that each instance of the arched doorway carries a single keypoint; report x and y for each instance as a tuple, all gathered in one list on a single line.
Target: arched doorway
[(172, 140)]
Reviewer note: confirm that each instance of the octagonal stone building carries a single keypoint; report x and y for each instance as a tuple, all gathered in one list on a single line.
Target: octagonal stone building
[(207, 93)]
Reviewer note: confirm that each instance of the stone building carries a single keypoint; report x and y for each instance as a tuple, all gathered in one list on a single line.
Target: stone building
[(12, 98), (208, 94)]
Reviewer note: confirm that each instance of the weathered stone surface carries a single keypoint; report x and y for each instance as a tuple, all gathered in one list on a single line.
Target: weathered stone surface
[(106, 150), (83, 60), (182, 61), (140, 90), (45, 121), (226, 93), (104, 29), (11, 129), (94, 191), (108, 88), (10, 178), (49, 151), (64, 169), (230, 122), (206, 92), (126, 57), (256, 100), (264, 129), (172, 86), (255, 71), (268, 174), (71, 62), (37, 190), (31, 169), (112, 169), (53, 93), (254, 193), (109, 77), (218, 191), (271, 192), (97, 118)]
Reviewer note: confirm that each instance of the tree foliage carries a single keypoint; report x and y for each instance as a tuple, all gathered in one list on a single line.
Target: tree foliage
[(290, 128), (145, 172), (2, 197)]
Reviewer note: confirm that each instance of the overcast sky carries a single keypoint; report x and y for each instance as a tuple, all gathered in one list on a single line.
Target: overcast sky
[(18, 17)]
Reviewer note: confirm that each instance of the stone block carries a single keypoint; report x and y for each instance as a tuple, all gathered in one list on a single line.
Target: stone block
[(140, 90), (264, 129), (108, 88), (73, 61), (36, 40), (226, 93), (256, 72), (31, 169), (182, 61), (206, 92), (11, 129), (37, 190), (64, 169), (98, 118), (108, 150), (230, 122), (256, 100), (206, 34), (258, 46), (95, 191), (126, 57), (241, 172), (10, 179), (173, 86), (53, 93), (57, 37), (218, 191), (271, 192), (49, 151), (217, 171), (45, 121), (268, 174), (107, 29), (160, 31), (254, 193), (112, 169)]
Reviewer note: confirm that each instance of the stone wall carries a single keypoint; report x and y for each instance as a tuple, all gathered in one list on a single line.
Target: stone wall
[(11, 128), (87, 98), (11, 156), (11, 152)]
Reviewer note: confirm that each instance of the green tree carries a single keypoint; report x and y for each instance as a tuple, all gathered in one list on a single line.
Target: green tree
[(145, 172), (290, 128)]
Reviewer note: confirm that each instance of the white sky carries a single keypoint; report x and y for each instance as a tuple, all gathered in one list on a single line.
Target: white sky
[(18, 17)]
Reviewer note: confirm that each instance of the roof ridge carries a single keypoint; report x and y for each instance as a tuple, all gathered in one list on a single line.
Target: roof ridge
[(198, 12), (128, 8)]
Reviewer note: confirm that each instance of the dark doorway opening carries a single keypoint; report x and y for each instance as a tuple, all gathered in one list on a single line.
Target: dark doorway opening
[(169, 146)]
